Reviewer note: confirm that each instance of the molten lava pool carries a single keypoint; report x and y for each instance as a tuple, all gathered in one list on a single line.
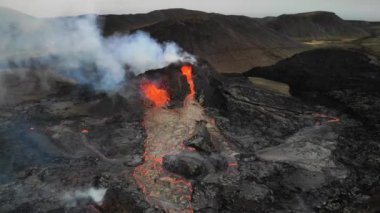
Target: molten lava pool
[(159, 97)]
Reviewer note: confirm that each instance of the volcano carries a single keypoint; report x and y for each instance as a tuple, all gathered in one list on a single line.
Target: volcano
[(126, 123), (217, 143)]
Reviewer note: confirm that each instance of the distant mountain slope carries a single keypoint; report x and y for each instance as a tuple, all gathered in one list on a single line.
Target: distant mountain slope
[(9, 15), (231, 44), (315, 26), (228, 43), (126, 23), (364, 25), (17, 26)]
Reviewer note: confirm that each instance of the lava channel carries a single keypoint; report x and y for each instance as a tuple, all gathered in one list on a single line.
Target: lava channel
[(166, 130)]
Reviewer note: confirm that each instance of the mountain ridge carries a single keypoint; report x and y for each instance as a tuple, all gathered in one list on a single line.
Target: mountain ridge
[(233, 43), (230, 43), (317, 25)]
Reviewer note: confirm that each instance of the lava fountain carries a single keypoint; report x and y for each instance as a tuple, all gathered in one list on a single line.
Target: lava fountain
[(159, 97), (188, 72)]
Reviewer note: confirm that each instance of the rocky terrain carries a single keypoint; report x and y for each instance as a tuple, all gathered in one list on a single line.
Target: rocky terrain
[(341, 78), (233, 147)]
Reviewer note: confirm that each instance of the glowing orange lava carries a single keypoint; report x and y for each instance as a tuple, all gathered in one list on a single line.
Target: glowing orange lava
[(233, 164), (165, 129), (187, 71), (329, 119), (159, 97)]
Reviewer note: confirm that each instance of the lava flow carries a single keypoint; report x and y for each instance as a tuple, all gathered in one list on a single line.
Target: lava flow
[(188, 72), (159, 97), (166, 131), (319, 118)]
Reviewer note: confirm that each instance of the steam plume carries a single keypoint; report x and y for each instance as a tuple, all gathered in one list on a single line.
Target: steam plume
[(96, 195), (75, 48)]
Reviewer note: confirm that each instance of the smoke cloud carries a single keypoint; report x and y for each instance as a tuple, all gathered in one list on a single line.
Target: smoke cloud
[(75, 48), (72, 198)]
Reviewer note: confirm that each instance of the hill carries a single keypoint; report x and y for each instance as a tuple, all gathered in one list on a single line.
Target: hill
[(315, 26), (128, 22), (340, 78), (228, 43)]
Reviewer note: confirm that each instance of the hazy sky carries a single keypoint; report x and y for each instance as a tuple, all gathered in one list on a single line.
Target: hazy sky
[(348, 9)]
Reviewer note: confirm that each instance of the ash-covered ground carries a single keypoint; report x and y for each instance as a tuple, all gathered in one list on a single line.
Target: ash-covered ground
[(234, 147)]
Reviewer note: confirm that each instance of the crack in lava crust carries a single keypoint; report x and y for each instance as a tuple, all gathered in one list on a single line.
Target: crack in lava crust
[(166, 130)]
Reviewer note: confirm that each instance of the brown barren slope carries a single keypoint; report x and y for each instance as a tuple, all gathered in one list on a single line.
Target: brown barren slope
[(228, 43)]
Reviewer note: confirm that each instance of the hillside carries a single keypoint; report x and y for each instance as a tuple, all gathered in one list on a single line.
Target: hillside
[(128, 22), (336, 77), (231, 44), (315, 26), (228, 43), (15, 25)]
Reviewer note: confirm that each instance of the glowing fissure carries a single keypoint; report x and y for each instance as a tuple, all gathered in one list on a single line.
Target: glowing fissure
[(329, 119), (187, 71)]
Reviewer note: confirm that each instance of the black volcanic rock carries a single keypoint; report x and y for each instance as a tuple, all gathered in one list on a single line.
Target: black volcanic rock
[(201, 139), (343, 78), (315, 26), (187, 165), (324, 70), (286, 158)]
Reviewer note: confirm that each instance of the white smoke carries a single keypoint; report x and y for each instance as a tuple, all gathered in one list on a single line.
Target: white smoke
[(76, 48), (141, 52), (70, 199)]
